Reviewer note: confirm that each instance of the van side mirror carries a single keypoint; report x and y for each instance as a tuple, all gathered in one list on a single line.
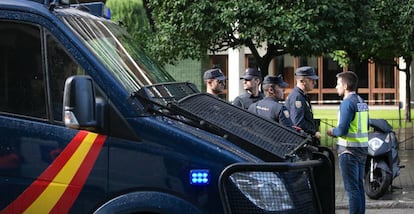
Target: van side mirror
[(79, 105)]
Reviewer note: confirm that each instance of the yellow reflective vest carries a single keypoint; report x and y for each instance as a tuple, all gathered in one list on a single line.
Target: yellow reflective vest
[(358, 130)]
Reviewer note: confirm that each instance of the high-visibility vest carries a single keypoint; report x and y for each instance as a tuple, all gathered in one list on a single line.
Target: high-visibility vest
[(358, 129)]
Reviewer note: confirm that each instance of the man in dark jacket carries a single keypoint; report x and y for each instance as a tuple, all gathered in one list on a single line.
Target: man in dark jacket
[(251, 82), (298, 102), (269, 107), (215, 81), (352, 144)]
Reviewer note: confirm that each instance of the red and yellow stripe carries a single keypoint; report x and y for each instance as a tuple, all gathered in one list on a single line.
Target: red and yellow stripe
[(57, 188)]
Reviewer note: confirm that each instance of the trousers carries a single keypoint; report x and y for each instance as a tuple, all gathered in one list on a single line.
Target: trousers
[(352, 169)]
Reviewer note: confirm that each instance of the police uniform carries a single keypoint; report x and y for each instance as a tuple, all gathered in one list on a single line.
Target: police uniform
[(352, 148), (269, 108), (245, 100), (352, 130), (299, 105), (300, 109)]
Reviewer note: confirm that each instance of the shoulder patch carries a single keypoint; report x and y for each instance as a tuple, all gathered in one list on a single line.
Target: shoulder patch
[(286, 113), (298, 104), (362, 107)]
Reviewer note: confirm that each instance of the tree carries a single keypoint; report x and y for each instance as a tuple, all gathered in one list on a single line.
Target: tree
[(352, 31), (185, 28), (132, 16), (403, 29), (382, 30), (397, 21)]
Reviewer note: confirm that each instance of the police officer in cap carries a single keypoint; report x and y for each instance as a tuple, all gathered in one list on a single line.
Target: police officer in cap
[(269, 107), (215, 81), (251, 82), (298, 102)]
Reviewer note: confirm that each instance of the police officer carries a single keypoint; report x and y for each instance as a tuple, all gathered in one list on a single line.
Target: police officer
[(269, 107), (215, 81), (251, 81), (298, 102)]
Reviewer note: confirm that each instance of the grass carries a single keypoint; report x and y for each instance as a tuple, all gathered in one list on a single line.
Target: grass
[(373, 113), (328, 119)]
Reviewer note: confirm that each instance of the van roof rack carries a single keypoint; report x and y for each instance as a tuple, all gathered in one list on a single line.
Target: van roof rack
[(96, 8)]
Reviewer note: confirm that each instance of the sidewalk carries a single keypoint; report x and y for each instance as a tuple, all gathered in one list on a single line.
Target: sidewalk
[(401, 197)]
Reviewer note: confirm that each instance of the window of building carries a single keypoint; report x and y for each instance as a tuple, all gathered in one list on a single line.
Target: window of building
[(309, 61), (251, 62), (329, 72), (362, 71), (384, 75), (288, 70), (384, 99)]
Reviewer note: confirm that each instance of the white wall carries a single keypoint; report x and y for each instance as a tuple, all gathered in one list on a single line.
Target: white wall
[(402, 82), (236, 70)]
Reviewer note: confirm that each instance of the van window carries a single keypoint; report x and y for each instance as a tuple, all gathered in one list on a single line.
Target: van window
[(22, 88), (118, 52), (60, 66)]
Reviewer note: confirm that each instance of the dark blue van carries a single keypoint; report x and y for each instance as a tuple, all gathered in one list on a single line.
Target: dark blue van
[(90, 124)]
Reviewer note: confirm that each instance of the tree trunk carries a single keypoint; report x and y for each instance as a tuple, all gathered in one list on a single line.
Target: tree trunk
[(264, 68), (148, 13)]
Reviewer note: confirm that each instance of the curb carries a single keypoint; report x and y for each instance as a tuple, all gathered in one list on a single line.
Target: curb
[(400, 204)]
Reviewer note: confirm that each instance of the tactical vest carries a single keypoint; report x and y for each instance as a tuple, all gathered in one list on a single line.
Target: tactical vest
[(358, 130)]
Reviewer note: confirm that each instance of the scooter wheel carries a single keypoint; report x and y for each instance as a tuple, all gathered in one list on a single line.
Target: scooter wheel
[(380, 184)]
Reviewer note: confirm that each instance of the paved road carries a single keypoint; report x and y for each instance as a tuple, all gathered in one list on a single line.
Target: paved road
[(381, 211), (400, 200)]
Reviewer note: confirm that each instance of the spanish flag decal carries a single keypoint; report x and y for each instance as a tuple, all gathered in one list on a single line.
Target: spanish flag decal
[(57, 188)]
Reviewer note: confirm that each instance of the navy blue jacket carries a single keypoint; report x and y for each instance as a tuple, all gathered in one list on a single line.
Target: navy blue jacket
[(245, 100), (300, 109), (269, 108)]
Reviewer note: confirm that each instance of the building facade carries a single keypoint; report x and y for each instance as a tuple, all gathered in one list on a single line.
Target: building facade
[(379, 83)]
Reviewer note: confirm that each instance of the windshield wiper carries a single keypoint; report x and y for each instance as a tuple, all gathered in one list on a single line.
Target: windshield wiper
[(165, 93)]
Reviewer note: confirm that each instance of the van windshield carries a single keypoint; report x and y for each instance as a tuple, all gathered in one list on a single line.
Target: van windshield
[(117, 51)]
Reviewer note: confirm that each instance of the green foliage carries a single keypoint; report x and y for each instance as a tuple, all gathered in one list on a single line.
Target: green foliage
[(378, 29), (132, 16), (184, 28), (341, 57)]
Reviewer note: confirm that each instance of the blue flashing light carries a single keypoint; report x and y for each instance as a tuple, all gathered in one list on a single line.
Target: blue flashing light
[(199, 176), (108, 13)]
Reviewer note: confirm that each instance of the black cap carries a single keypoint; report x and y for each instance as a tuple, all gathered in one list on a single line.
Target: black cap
[(306, 71), (251, 73), (214, 73), (278, 80)]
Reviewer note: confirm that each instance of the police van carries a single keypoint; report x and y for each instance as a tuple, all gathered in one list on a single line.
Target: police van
[(90, 124)]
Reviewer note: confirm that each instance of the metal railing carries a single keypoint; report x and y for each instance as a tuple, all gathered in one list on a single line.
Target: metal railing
[(403, 130)]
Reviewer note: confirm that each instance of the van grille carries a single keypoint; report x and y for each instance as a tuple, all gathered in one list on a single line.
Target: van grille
[(262, 135)]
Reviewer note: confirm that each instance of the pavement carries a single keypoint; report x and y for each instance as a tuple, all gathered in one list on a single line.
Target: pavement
[(399, 200)]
